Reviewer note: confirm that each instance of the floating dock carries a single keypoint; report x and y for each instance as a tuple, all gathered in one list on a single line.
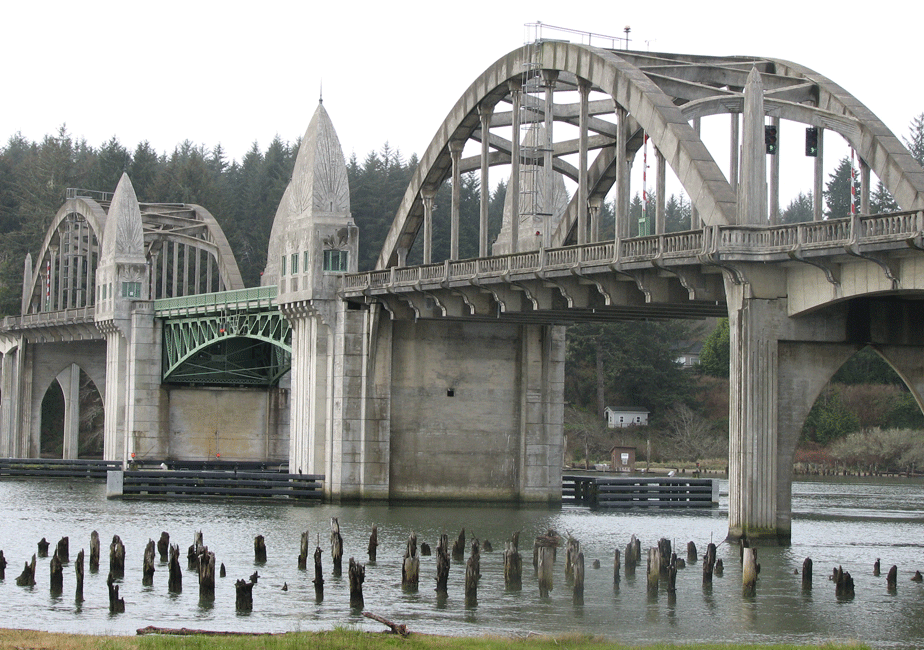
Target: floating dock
[(639, 492)]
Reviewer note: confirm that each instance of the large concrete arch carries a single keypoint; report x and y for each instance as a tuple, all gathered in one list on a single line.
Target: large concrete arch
[(662, 93)]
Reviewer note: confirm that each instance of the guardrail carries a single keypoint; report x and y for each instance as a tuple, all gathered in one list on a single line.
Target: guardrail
[(56, 468), (640, 492), (207, 484), (252, 298)]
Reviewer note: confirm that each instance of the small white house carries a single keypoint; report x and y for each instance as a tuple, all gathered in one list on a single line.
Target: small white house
[(626, 416)]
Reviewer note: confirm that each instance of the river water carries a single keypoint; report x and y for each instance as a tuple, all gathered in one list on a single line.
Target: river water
[(834, 522)]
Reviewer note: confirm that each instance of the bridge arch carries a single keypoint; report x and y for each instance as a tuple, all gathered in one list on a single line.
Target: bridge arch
[(661, 94), (76, 399)]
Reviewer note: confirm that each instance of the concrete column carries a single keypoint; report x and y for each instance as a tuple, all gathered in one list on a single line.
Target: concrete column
[(484, 115), (455, 151), (818, 191), (864, 187), (584, 91), (402, 257), (427, 197), (734, 151), (661, 191), (514, 187), (116, 389), (147, 418), (752, 191), (69, 380), (9, 391), (549, 77), (694, 213), (775, 178), (593, 214), (621, 208)]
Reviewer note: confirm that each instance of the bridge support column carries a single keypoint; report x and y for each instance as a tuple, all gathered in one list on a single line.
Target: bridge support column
[(10, 399), (69, 380)]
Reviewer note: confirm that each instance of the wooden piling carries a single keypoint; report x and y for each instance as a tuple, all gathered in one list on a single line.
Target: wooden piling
[(336, 546), (654, 570), (472, 575), (318, 574), (43, 545), (843, 584), (206, 574), (62, 550), (692, 555), (27, 577), (578, 575), (719, 568), (749, 570), (175, 574), (78, 571), (147, 571), (57, 575), (807, 574), (664, 553), (442, 565), (876, 566), (373, 542), (2, 566), (425, 549), (709, 563), (192, 558), (116, 604), (163, 546), (221, 571), (243, 598), (410, 567), (486, 546), (616, 562), (572, 549), (546, 566), (357, 575), (513, 564), (892, 578), (458, 548), (117, 557), (672, 575), (94, 552), (303, 552), (259, 549)]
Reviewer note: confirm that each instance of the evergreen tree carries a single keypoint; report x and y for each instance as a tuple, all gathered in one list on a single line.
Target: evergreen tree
[(915, 139), (677, 214), (837, 192), (881, 201), (799, 209), (715, 355), (111, 162)]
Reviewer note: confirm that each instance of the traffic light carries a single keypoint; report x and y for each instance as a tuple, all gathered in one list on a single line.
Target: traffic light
[(811, 141), (770, 139)]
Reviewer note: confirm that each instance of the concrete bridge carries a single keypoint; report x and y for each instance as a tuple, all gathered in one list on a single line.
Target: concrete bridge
[(445, 381)]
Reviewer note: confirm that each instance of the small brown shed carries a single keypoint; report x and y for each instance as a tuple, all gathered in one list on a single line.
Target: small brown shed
[(623, 459)]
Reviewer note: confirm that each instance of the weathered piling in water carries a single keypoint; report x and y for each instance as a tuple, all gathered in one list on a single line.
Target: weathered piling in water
[(318, 574), (27, 577), (486, 546), (692, 555), (62, 550), (374, 543), (749, 570), (654, 570), (442, 565), (546, 552), (513, 564), (876, 567), (254, 577), (892, 578), (917, 577), (425, 549), (672, 575), (303, 552), (843, 584), (117, 557), (192, 558), (664, 553), (94, 552), (807, 574), (2, 566), (206, 574), (357, 577), (336, 546), (719, 568), (57, 575), (43, 545), (147, 571), (221, 571), (116, 604), (578, 574), (458, 548), (259, 549), (175, 574), (572, 549), (410, 567), (163, 546), (632, 557), (243, 596), (709, 564), (472, 575), (616, 563), (78, 571)]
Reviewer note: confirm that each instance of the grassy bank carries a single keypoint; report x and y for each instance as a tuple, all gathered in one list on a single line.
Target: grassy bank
[(337, 640)]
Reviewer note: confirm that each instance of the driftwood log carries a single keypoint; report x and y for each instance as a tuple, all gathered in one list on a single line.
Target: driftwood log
[(259, 549), (147, 570), (116, 604), (94, 552), (336, 547), (163, 546), (373, 542), (357, 576), (175, 579), (78, 571), (117, 557), (513, 564), (394, 627)]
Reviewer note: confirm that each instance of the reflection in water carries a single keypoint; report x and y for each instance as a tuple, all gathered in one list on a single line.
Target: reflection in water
[(834, 523)]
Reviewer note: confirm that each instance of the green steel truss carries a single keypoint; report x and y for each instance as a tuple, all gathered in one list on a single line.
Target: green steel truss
[(227, 347)]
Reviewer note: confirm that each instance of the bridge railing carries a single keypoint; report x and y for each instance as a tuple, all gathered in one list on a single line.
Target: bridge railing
[(70, 316), (735, 240), (252, 298)]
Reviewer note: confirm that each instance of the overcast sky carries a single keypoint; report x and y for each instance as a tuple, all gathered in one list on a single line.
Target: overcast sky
[(236, 73)]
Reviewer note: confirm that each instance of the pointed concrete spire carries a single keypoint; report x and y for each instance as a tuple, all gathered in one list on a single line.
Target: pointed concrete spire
[(123, 238), (752, 190)]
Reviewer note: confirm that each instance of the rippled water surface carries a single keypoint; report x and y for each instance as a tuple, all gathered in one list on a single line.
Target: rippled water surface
[(834, 523)]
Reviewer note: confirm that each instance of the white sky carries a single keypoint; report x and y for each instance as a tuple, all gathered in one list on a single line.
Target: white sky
[(235, 73)]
